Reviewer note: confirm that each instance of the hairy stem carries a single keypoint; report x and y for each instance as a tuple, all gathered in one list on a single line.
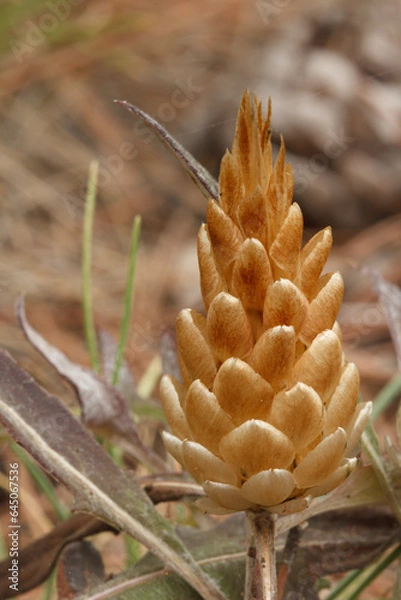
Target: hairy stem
[(261, 576)]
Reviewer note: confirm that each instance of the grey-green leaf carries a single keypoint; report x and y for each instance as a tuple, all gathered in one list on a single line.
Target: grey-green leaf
[(58, 441), (206, 183)]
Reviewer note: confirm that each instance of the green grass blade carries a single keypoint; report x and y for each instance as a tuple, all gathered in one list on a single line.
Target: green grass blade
[(89, 327), (385, 397), (49, 587), (133, 550), (128, 297), (3, 546), (343, 584)]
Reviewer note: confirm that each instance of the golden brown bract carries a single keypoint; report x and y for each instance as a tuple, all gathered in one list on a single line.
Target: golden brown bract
[(267, 414)]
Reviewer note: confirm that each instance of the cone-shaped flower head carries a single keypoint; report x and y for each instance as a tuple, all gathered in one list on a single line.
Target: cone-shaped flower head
[(267, 411)]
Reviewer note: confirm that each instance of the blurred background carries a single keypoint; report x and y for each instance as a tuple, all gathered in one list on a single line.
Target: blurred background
[(332, 69)]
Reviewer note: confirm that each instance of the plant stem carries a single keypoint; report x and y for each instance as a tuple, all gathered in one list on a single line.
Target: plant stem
[(261, 576)]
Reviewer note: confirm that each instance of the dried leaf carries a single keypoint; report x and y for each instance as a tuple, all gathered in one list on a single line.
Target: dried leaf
[(60, 444), (340, 541), (103, 407), (79, 570), (195, 170)]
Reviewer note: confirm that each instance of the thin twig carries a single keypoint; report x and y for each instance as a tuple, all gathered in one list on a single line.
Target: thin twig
[(290, 549), (261, 576)]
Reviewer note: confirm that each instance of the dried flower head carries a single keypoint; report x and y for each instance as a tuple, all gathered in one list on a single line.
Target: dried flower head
[(268, 408)]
